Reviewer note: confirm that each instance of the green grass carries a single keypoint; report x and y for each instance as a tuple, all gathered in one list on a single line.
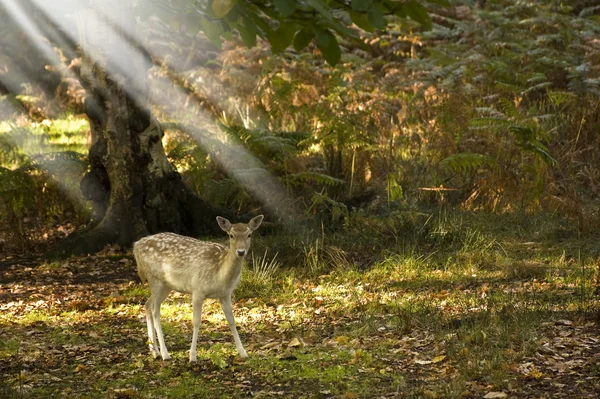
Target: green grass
[(57, 135), (431, 317)]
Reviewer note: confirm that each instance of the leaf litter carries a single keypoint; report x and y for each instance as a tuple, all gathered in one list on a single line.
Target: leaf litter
[(76, 330)]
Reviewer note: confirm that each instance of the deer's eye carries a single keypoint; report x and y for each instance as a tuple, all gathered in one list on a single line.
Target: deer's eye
[(230, 235), (249, 235)]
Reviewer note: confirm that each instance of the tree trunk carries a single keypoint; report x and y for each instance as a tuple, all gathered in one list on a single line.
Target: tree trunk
[(134, 189)]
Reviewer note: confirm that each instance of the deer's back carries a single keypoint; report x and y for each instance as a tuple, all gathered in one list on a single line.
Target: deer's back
[(182, 262)]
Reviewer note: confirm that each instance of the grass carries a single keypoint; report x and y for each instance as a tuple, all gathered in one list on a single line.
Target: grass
[(451, 317), (29, 139)]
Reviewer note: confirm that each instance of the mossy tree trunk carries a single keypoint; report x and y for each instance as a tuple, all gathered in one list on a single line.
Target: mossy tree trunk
[(134, 188)]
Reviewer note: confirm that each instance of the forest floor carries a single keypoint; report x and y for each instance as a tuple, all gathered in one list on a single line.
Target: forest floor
[(525, 326)]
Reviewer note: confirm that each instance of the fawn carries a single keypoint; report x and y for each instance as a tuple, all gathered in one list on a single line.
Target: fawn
[(205, 269)]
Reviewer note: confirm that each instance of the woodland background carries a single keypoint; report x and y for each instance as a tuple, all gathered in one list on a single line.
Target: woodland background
[(442, 187)]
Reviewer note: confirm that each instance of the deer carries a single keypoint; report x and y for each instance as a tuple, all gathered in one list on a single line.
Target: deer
[(207, 270)]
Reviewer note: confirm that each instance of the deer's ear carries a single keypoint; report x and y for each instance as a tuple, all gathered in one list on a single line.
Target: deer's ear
[(224, 224), (255, 222)]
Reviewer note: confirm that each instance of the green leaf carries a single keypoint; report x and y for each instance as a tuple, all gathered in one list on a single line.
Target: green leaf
[(253, 14), (417, 13), (303, 38), (330, 21), (464, 162), (222, 7), (315, 177), (362, 21), (328, 44), (212, 30), (285, 8), (376, 17), (361, 5), (248, 32), (281, 38), (321, 8)]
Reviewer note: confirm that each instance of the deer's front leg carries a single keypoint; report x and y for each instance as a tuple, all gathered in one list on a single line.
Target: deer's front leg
[(197, 302), (226, 305), (161, 291)]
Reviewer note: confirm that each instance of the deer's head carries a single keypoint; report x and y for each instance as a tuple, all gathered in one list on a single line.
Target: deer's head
[(240, 234)]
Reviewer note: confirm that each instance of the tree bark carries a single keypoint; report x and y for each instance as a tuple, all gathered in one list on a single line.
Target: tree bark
[(134, 189)]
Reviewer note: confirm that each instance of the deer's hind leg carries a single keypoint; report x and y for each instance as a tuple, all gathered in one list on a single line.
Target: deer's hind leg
[(159, 292), (152, 342)]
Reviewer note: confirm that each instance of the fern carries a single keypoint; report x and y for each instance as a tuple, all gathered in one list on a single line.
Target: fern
[(465, 162), (313, 177)]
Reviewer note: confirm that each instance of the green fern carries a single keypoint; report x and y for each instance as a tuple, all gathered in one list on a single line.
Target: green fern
[(466, 162), (313, 177)]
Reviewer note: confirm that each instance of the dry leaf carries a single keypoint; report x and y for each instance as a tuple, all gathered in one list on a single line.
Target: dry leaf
[(270, 345), (423, 362), (295, 342), (438, 359), (563, 322), (495, 395)]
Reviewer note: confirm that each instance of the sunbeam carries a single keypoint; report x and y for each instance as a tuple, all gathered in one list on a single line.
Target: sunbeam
[(111, 39)]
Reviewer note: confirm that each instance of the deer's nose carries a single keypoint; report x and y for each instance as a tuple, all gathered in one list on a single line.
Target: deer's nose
[(241, 252)]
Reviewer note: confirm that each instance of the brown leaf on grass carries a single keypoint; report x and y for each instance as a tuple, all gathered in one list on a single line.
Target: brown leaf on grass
[(423, 362), (271, 345), (495, 395), (78, 305), (563, 322)]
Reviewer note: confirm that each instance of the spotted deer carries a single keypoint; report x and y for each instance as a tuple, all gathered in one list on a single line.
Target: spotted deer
[(204, 269)]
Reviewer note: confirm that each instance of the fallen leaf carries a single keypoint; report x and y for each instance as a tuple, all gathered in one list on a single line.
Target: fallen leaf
[(423, 362), (495, 395), (563, 322), (438, 359), (295, 342), (271, 345)]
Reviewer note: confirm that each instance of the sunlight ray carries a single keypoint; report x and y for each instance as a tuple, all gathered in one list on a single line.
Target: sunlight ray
[(122, 49)]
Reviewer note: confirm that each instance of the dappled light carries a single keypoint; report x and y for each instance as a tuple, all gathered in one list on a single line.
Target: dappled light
[(418, 320)]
